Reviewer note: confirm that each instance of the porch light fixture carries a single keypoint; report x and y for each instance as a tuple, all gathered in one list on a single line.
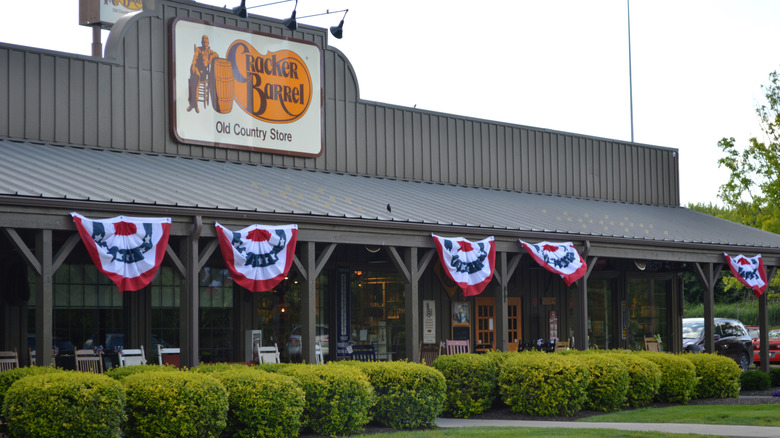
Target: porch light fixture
[(292, 22), (240, 10)]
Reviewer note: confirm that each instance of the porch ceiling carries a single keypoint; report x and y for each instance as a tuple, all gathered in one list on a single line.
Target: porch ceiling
[(47, 171)]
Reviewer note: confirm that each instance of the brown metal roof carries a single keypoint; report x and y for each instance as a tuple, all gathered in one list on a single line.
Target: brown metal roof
[(34, 170)]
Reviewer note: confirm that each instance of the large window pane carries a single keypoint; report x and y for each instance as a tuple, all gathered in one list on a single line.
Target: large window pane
[(647, 309), (600, 324)]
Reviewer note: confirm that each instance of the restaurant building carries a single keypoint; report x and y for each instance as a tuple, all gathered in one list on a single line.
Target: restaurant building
[(200, 116)]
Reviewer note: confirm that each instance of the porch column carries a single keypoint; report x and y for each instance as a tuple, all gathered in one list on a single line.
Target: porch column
[(709, 275), (411, 270), (763, 324), (581, 315), (44, 299), (190, 298), (310, 269), (581, 303)]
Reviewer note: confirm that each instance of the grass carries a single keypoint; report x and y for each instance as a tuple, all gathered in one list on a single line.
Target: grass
[(738, 415), (536, 432), (735, 415)]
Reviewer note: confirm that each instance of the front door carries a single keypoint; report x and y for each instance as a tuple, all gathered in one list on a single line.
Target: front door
[(486, 323)]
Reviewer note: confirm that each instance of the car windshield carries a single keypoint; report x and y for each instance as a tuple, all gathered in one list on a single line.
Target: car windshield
[(693, 329), (774, 334)]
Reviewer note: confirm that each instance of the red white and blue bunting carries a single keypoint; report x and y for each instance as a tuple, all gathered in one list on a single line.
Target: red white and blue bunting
[(749, 271), (258, 256), (468, 264), (558, 258), (128, 250)]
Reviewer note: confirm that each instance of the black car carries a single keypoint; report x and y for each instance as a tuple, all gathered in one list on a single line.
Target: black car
[(731, 339)]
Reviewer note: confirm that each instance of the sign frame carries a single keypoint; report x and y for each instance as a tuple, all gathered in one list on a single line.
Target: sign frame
[(429, 321), (216, 129)]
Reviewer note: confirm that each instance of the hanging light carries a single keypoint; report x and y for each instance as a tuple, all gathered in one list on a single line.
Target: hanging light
[(292, 22), (240, 10), (337, 31)]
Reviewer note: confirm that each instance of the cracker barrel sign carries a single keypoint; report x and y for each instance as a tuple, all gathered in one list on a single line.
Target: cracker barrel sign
[(244, 90), (106, 12)]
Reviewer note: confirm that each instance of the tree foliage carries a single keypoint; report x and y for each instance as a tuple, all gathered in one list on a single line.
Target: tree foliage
[(753, 188), (752, 193)]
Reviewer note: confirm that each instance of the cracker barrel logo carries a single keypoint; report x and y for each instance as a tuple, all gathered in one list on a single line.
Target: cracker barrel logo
[(275, 87), (133, 5)]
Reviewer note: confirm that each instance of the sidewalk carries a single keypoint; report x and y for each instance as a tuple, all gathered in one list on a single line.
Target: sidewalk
[(698, 429)]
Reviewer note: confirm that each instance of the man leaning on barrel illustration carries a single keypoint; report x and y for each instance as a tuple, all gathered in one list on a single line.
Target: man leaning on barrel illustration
[(200, 70)]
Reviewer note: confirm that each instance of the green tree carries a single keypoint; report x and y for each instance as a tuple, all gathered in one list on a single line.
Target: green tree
[(753, 188), (752, 193)]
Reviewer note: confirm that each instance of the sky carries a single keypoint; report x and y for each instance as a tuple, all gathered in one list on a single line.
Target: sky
[(697, 67)]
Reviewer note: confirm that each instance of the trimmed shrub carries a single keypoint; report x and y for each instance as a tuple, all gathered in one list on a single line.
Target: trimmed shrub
[(498, 358), (65, 404), (755, 380), (272, 367), (678, 376), (644, 378), (544, 384), (119, 373), (219, 367), (409, 395), (181, 404), (774, 375), (608, 387), (718, 376), (261, 404), (7, 378), (338, 397), (471, 383)]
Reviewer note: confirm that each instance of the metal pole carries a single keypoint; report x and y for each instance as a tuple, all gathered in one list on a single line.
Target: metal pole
[(630, 84), (97, 42)]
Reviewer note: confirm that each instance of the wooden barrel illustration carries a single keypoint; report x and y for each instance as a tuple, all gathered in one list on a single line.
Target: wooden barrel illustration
[(221, 84)]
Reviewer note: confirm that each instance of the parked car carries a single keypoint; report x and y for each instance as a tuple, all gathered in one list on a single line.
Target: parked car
[(293, 345), (774, 348), (731, 339), (754, 331)]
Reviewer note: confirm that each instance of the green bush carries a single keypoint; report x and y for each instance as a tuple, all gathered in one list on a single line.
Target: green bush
[(644, 378), (678, 376), (261, 404), (119, 373), (774, 375), (755, 380), (471, 383), (718, 376), (338, 397), (182, 404), (608, 387), (218, 367), (272, 367), (409, 395), (7, 378), (544, 384), (65, 404)]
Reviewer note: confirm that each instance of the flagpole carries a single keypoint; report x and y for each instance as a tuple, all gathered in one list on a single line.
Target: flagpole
[(630, 84)]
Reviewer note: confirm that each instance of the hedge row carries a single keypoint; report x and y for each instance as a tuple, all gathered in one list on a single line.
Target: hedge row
[(562, 384), (342, 397), (216, 400)]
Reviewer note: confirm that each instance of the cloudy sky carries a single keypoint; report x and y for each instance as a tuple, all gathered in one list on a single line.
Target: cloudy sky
[(697, 66)]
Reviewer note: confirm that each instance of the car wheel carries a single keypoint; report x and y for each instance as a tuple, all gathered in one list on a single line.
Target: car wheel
[(744, 362)]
